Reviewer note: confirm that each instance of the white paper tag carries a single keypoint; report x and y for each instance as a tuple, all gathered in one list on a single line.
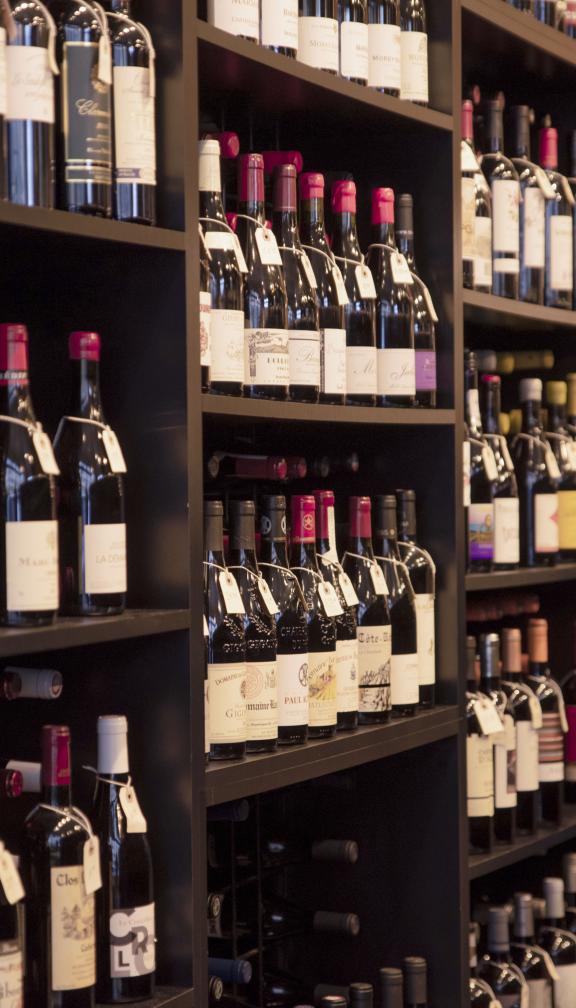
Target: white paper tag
[(535, 708), (544, 182), (329, 599), (268, 247), (489, 463), (429, 302), (488, 716), (231, 594), (92, 875), (341, 291), (347, 589), (552, 465), (43, 446), (267, 597), (378, 579), (400, 270), (365, 282), (135, 821), (205, 626), (113, 451), (307, 265), (468, 159), (10, 878)]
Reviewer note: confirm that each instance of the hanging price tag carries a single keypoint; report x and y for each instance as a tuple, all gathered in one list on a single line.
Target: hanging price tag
[(378, 579), (347, 589), (468, 159), (268, 247), (329, 599), (506, 454), (400, 270), (9, 877), (489, 463), (307, 265), (267, 597), (135, 821), (365, 282), (552, 465), (92, 875), (45, 453), (205, 626), (544, 182), (572, 454), (239, 254), (488, 717), (231, 594), (341, 292), (113, 451), (429, 303)]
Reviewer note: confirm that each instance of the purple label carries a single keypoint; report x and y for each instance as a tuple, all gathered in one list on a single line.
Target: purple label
[(426, 370), (481, 531)]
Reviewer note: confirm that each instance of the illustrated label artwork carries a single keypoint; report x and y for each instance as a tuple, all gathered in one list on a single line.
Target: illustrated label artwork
[(11, 975), (481, 531), (261, 700), (73, 932), (266, 359), (87, 116), (132, 944), (292, 678), (347, 675), (374, 661), (322, 688)]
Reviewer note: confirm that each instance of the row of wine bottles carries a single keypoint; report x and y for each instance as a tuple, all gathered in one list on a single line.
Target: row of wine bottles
[(299, 646), (77, 908), (505, 362), (284, 313), (80, 530), (235, 465), (103, 64), (381, 43), (517, 217), (560, 14)]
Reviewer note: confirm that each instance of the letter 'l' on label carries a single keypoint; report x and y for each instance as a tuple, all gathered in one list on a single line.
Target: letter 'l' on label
[(132, 942)]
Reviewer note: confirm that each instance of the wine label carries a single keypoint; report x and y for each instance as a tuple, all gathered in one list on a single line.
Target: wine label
[(227, 689), (113, 451), (30, 88), (483, 252), (322, 688), (527, 777), (396, 372), (3, 78), (540, 993), (31, 566), (567, 519), (354, 49), (10, 880), (505, 217), (479, 776), (534, 212), (261, 701), (546, 538), (551, 748), (266, 357), (292, 689), (304, 357), (72, 930), (239, 17), (468, 217), (105, 559), (361, 370), (384, 56), (506, 530), (481, 531), (227, 345), (132, 942), (347, 675), (318, 42), (11, 975), (205, 303), (505, 765), (414, 59), (404, 679), (425, 370), (87, 116), (279, 23), (426, 635), (374, 668), (134, 126), (565, 986), (333, 361), (561, 253)]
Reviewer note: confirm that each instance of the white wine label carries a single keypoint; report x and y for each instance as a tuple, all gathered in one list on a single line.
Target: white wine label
[(527, 778), (505, 765), (404, 679), (227, 689), (318, 42), (384, 56), (468, 159), (329, 599), (414, 56), (347, 589), (31, 566), (466, 474), (354, 50), (91, 858), (365, 282), (132, 942), (11, 975), (333, 361), (378, 579), (307, 267), (374, 661), (105, 559), (261, 701), (267, 247), (506, 530), (396, 372), (45, 453), (9, 877), (30, 84), (322, 688), (505, 217), (205, 314), (361, 370), (227, 349), (561, 253), (567, 519), (304, 357), (292, 689), (480, 776), (483, 255), (267, 357), (347, 675), (134, 126), (231, 593), (546, 537), (267, 597), (113, 451), (135, 819), (341, 292), (551, 464), (73, 933), (400, 270), (239, 17), (279, 23), (3, 86), (468, 217), (426, 639), (534, 210), (565, 987)]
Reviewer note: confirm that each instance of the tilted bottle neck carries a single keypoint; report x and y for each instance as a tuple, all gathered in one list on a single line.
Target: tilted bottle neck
[(86, 401), (384, 234), (531, 417)]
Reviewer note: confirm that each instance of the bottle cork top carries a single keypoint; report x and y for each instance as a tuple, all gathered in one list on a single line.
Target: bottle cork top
[(538, 640)]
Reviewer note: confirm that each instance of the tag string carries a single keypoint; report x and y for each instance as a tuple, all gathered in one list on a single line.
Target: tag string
[(350, 262), (108, 780), (210, 563), (311, 248), (74, 814)]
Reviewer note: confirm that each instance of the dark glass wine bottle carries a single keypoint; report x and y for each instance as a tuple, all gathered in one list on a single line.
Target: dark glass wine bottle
[(425, 317), (559, 226), (551, 735), (528, 715), (532, 210), (232, 971), (497, 967), (559, 943), (476, 212), (91, 516), (60, 919), (29, 541), (483, 476), (125, 904), (279, 27), (12, 947), (505, 762), (545, 11), (353, 18), (283, 919), (278, 850), (502, 177), (481, 994), (422, 571), (479, 764), (384, 46), (534, 466), (415, 982), (528, 956), (506, 526), (558, 437), (243, 21), (414, 52), (204, 308), (318, 34)]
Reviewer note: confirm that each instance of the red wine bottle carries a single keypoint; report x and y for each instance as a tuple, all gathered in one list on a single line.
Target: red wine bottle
[(551, 736), (279, 27), (479, 764), (318, 34), (266, 355), (384, 53), (536, 472), (204, 312), (422, 573), (502, 177), (528, 715), (414, 52), (252, 467), (476, 212), (91, 505), (360, 312), (558, 437), (125, 926), (303, 321), (353, 17), (30, 684), (532, 209), (31, 112), (29, 542), (505, 493), (505, 755), (425, 317), (559, 226), (60, 919)]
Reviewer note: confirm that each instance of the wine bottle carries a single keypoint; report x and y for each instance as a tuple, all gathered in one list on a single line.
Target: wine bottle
[(336, 465), (226, 644), (535, 190), (394, 307), (414, 52), (353, 18), (496, 966), (505, 493), (280, 918), (361, 995), (569, 874), (422, 571), (415, 982), (291, 624), (476, 212), (536, 472), (404, 673), (560, 442), (23, 774), (559, 227), (91, 516), (33, 684), (303, 321), (318, 34), (251, 467), (483, 477), (384, 46), (372, 616), (231, 971), (266, 359), (479, 764), (502, 177), (125, 904), (204, 312), (321, 627), (559, 943), (569, 693), (551, 735), (391, 987), (360, 312), (528, 716), (505, 753), (425, 317), (31, 111), (29, 588), (331, 293), (60, 871), (531, 959), (545, 11), (239, 18), (278, 851), (346, 626), (226, 278), (259, 631), (11, 930), (279, 27), (481, 994)]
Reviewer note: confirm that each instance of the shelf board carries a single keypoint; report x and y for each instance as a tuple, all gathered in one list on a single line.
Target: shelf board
[(230, 780), (72, 225), (75, 631), (267, 409), (168, 997), (525, 847), (489, 310), (524, 28), (524, 577)]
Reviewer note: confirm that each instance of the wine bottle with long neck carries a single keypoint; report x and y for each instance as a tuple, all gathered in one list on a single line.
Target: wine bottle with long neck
[(91, 503), (497, 967), (536, 473), (479, 764), (241, 19), (534, 192), (266, 357), (414, 52), (353, 18), (558, 942), (481, 994), (204, 309), (394, 307), (528, 717), (29, 541), (476, 212), (559, 226), (483, 477), (279, 27), (360, 312), (551, 736), (303, 321), (384, 46), (502, 177), (331, 293), (528, 956), (505, 795), (125, 904), (422, 571), (558, 437), (505, 490), (425, 317), (281, 919), (61, 969), (318, 34)]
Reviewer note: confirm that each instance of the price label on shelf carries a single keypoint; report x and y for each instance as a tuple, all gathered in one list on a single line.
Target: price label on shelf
[(378, 579), (135, 820), (267, 247), (231, 594), (341, 292), (400, 270), (92, 875), (307, 266), (45, 453), (267, 597), (329, 599), (347, 589), (113, 451), (9, 877), (365, 282)]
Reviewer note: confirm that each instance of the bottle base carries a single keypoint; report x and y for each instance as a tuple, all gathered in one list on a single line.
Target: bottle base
[(227, 751), (347, 721), (322, 733), (374, 717), (266, 745), (27, 619)]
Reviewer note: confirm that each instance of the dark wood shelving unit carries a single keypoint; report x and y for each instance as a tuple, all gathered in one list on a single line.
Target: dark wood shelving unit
[(81, 631), (525, 847), (525, 577), (531, 36), (489, 310), (67, 225), (261, 409)]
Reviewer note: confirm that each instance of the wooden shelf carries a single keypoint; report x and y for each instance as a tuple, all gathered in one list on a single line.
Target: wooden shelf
[(230, 780), (265, 409), (525, 847), (69, 632), (489, 310), (71, 225), (168, 997), (524, 577), (523, 28)]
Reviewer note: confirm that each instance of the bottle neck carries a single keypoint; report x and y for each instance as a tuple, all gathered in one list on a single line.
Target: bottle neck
[(113, 754), (361, 545), (15, 401), (86, 401), (531, 423), (59, 795), (345, 238), (495, 133), (274, 551), (386, 545), (489, 684), (491, 417), (255, 209), (405, 243), (556, 416), (538, 668), (214, 540), (211, 205), (312, 226), (242, 556), (303, 554), (499, 956), (286, 228), (383, 234), (473, 419)]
